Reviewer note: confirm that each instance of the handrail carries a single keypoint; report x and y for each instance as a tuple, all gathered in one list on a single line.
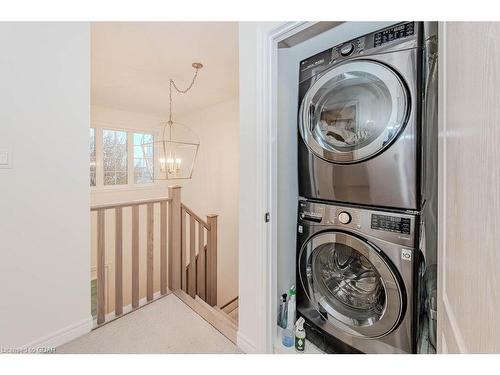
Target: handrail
[(196, 217), (183, 236), (129, 203)]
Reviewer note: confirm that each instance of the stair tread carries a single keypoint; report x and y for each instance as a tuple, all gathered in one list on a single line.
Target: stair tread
[(226, 317)]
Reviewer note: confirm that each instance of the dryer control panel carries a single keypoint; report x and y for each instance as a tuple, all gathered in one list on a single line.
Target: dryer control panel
[(399, 37), (393, 33)]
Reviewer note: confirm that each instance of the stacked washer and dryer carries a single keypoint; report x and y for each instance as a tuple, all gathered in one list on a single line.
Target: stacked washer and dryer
[(367, 150)]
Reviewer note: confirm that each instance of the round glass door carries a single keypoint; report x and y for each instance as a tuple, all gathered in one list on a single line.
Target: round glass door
[(353, 111), (349, 280)]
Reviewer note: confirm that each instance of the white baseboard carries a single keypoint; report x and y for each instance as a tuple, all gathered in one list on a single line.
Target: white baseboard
[(63, 335), (245, 344)]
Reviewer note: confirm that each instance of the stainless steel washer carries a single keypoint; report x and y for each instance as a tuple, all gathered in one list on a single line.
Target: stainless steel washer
[(355, 276), (359, 120)]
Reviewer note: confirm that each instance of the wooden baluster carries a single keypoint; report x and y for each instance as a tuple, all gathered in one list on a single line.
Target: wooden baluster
[(149, 260), (101, 275), (201, 264), (212, 260), (163, 248), (183, 250), (175, 268), (135, 256), (118, 261), (192, 257)]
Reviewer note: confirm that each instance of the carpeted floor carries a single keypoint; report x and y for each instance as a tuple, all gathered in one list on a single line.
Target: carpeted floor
[(165, 326)]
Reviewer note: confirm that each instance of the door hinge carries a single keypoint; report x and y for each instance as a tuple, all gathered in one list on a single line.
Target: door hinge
[(267, 217)]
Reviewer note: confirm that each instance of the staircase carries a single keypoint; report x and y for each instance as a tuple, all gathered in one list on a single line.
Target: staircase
[(187, 260), (224, 319), (212, 314)]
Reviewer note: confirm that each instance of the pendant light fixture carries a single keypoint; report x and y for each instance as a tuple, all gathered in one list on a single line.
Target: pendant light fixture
[(173, 156)]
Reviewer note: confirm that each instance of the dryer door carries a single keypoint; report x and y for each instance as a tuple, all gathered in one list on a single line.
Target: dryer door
[(351, 284), (353, 111)]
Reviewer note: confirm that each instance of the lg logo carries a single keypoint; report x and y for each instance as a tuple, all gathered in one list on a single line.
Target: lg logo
[(406, 254)]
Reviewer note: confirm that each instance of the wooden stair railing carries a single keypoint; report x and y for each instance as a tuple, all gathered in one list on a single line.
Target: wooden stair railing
[(200, 273), (165, 209), (199, 279)]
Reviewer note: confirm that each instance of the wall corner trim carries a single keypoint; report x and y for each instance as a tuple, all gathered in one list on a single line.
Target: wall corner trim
[(245, 344), (62, 336)]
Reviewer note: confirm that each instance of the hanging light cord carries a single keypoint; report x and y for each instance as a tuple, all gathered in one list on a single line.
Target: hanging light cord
[(197, 67)]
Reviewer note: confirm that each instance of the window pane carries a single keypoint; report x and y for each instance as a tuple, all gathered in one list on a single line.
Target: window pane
[(114, 148), (92, 157), (143, 156)]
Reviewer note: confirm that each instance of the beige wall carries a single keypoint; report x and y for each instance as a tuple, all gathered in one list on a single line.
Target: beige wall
[(469, 236), (213, 189)]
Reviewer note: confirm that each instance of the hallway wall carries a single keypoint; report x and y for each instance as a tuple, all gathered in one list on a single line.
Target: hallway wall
[(44, 220)]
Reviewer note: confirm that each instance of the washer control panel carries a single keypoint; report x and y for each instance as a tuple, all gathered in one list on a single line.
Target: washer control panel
[(394, 227), (391, 223)]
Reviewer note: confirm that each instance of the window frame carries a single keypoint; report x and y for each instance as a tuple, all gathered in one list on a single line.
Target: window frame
[(95, 158), (134, 157), (130, 185)]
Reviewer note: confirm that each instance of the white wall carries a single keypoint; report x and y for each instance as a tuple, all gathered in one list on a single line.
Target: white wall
[(44, 220)]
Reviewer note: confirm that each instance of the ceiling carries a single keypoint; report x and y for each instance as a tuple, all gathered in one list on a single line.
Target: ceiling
[(132, 63)]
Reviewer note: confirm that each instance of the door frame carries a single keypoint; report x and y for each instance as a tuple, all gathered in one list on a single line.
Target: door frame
[(266, 128)]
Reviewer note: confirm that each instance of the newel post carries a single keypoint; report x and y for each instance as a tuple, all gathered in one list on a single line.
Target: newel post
[(174, 238), (212, 260)]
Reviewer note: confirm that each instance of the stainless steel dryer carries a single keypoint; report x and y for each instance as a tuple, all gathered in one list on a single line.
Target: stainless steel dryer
[(359, 120), (355, 274)]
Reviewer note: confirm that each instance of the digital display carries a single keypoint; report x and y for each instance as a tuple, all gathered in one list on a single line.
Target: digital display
[(396, 32), (391, 223)]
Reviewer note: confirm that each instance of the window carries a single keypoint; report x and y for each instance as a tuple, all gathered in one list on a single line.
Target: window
[(143, 156), (92, 158), (114, 156), (118, 158)]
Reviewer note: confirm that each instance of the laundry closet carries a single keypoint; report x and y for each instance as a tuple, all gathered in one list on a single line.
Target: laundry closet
[(357, 185)]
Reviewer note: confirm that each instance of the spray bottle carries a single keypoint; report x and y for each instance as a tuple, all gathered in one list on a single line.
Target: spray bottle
[(291, 308), (283, 311), (288, 332), (300, 335)]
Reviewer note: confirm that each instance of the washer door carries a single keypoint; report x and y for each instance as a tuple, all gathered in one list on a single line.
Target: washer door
[(347, 280), (353, 111)]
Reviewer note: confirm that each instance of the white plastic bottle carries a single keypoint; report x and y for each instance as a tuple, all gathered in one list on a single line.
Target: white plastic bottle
[(300, 335)]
